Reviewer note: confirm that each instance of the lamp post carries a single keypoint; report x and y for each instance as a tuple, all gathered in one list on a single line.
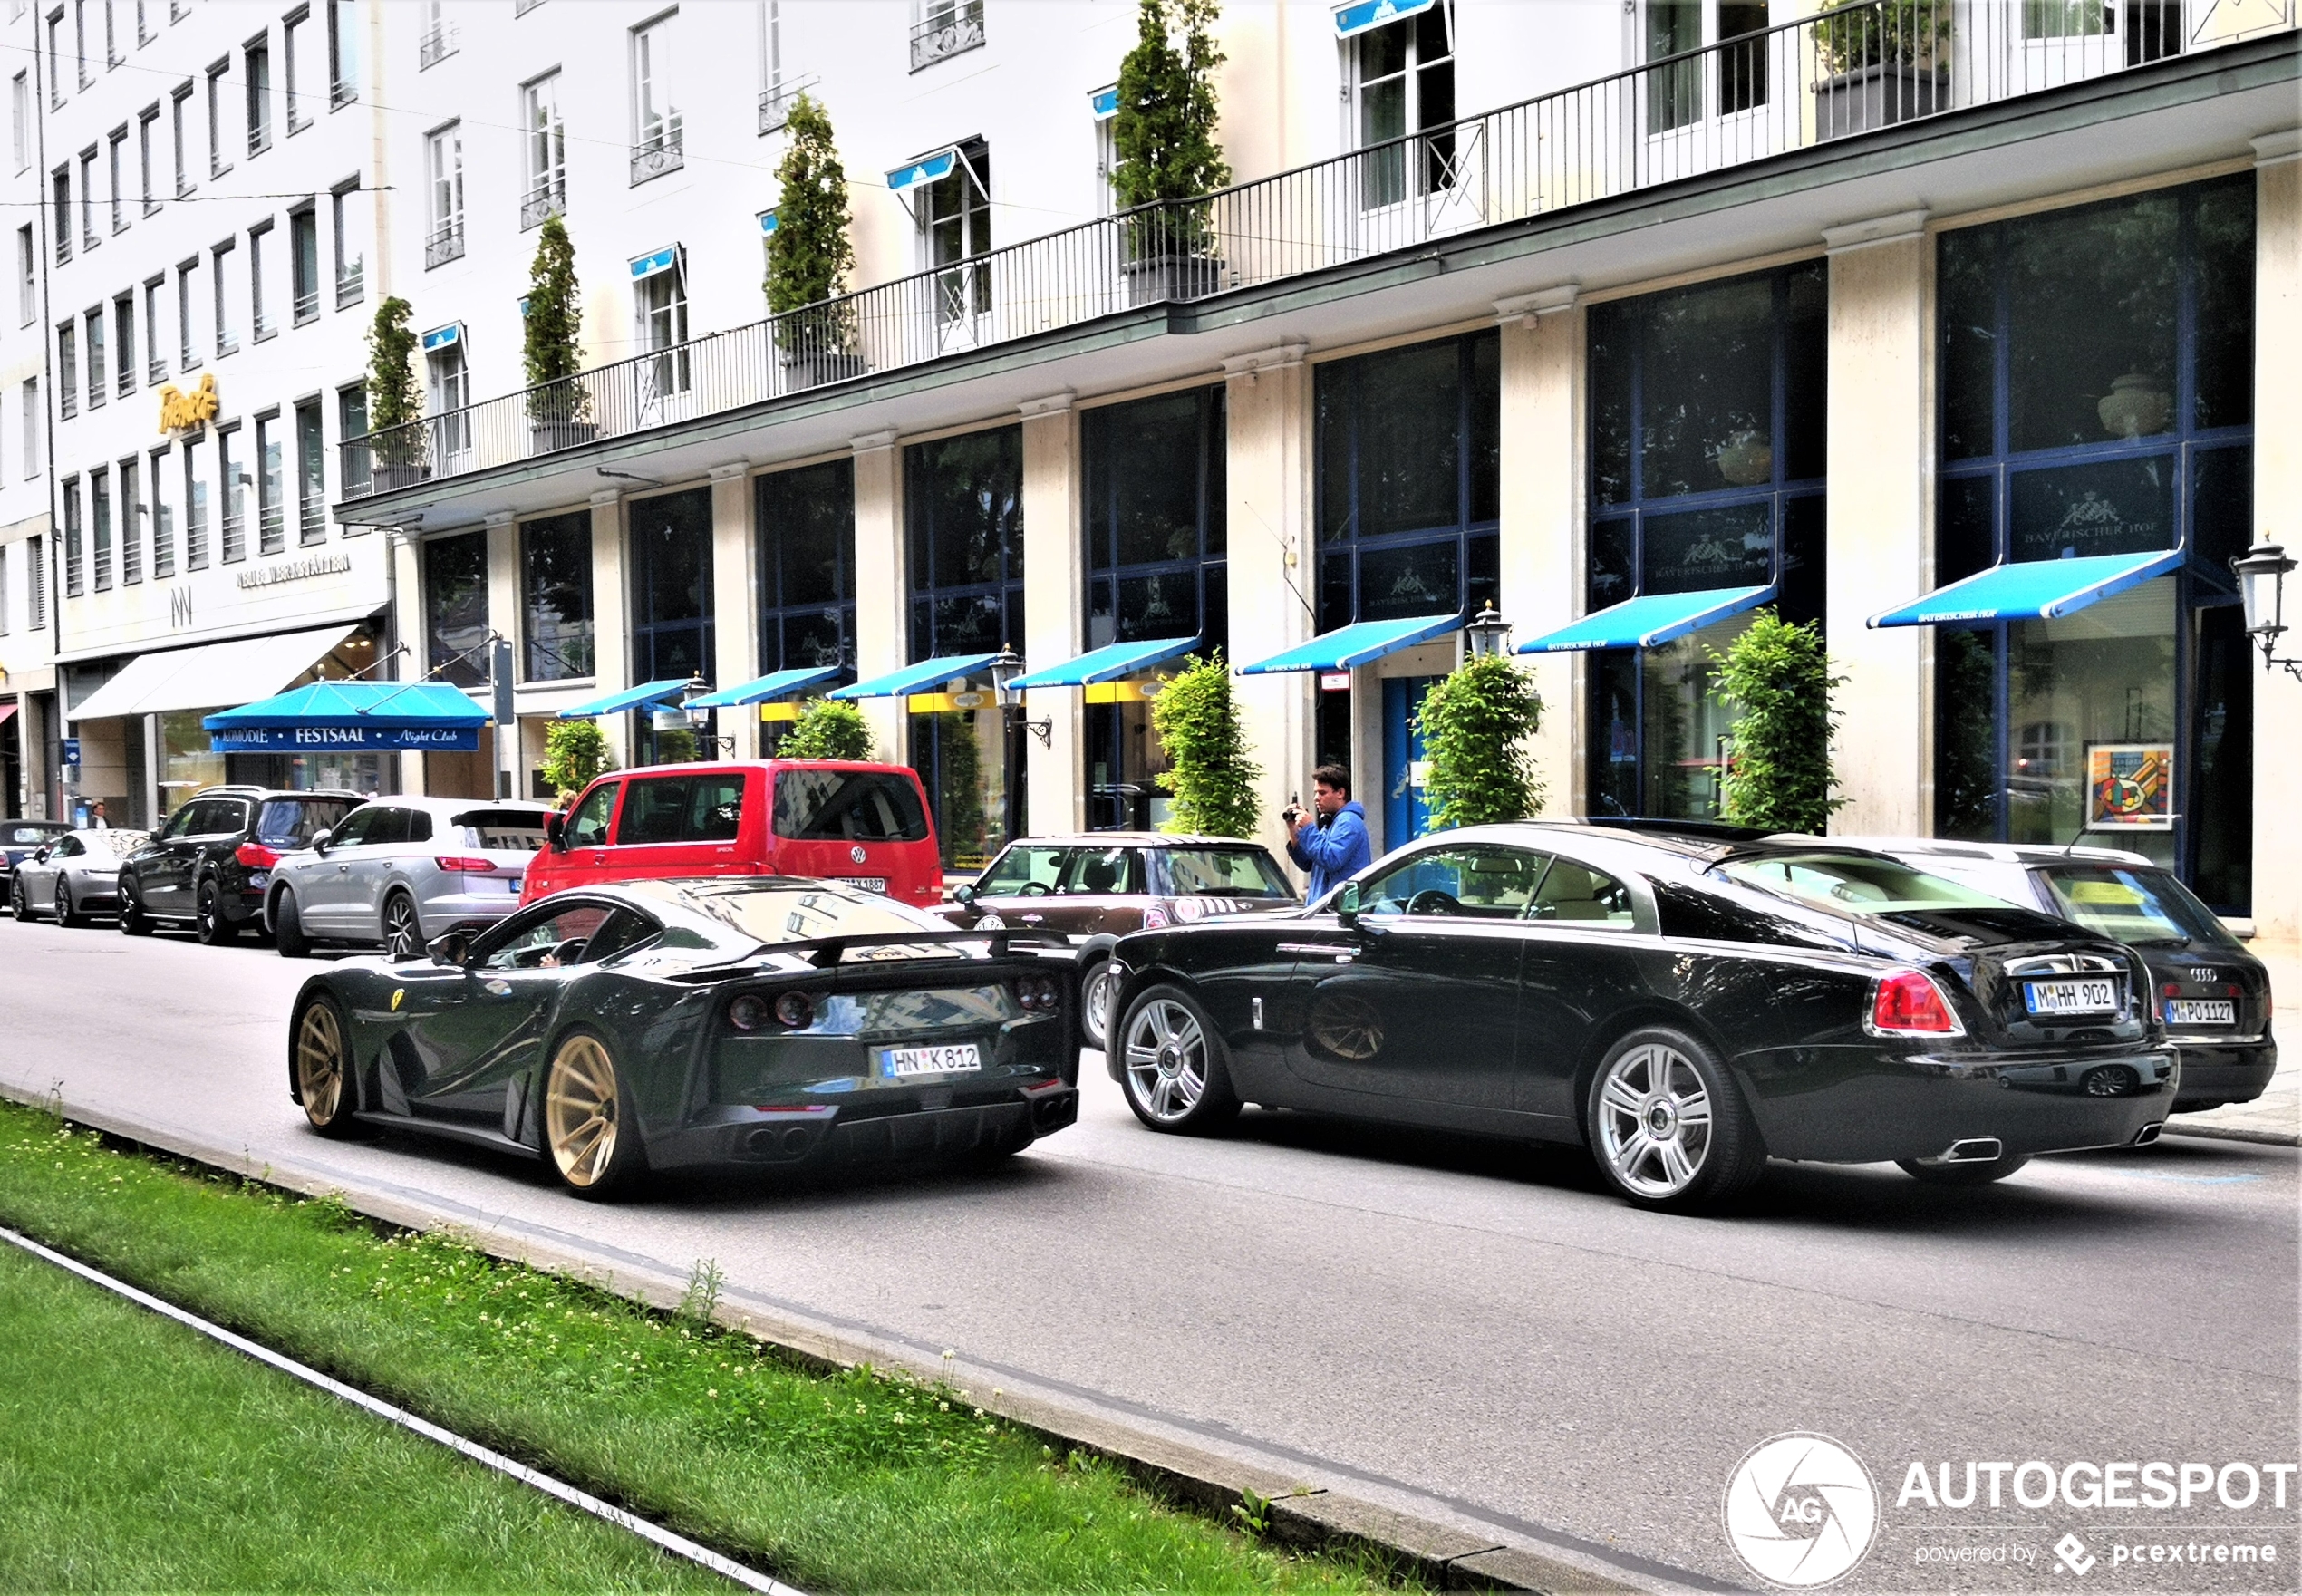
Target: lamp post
[(2262, 589), (1488, 633), (1005, 668)]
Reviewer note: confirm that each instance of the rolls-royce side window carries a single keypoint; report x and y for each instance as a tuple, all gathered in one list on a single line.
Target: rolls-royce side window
[(1577, 893)]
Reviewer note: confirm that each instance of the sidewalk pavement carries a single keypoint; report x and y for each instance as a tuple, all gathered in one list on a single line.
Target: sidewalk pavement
[(2276, 1115)]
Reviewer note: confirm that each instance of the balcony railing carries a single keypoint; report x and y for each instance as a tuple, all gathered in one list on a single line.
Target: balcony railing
[(306, 306), (660, 152), (350, 283), (546, 198), (446, 243), (775, 104), (437, 45), (947, 34), (1853, 70)]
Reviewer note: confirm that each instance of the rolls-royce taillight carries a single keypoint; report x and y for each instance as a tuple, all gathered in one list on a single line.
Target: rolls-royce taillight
[(1906, 1002)]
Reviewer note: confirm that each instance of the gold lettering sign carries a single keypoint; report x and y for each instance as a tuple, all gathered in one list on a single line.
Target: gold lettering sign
[(179, 410)]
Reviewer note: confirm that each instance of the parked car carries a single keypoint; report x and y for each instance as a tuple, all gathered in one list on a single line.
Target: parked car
[(862, 824), (1686, 1006), (20, 839), (74, 876), (1094, 888), (209, 867), (657, 1024), (401, 870), (2215, 996)]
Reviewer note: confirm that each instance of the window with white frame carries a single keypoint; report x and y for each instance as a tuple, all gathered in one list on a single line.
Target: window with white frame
[(444, 195), (224, 266), (1731, 81), (296, 71), (155, 362), (256, 76), (147, 130), (544, 140), (1403, 83), (56, 58), (163, 518), (20, 117), (31, 426), (343, 54), (262, 270), (451, 393), (67, 369), (123, 342), (217, 165), (304, 264), (116, 153), (1105, 104), (344, 226), (656, 146), (132, 520), (311, 475), (35, 571), (97, 381), (659, 300), (88, 237), (954, 228), (187, 300), (27, 276), (271, 483), (112, 56), (195, 503), (79, 39), (179, 114), (231, 485), (99, 526)]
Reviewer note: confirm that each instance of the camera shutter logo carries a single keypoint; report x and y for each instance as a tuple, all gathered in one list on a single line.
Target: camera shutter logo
[(1801, 1510)]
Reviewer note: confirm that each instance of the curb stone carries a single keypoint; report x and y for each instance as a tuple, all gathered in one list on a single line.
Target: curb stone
[(1303, 1514)]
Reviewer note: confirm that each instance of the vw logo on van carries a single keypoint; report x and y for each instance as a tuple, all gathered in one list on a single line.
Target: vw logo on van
[(857, 853)]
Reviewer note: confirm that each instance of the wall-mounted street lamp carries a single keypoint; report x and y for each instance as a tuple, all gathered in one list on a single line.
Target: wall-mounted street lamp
[(1488, 633), (2261, 588), (1007, 666)]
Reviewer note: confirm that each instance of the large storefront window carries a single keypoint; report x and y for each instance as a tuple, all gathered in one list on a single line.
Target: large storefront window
[(807, 530), (671, 607), (455, 608), (1707, 462), (963, 508), (556, 596), (1409, 488), (1155, 570), (2097, 401)]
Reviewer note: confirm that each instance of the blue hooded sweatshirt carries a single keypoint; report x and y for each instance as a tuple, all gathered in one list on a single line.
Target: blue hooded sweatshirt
[(1334, 852)]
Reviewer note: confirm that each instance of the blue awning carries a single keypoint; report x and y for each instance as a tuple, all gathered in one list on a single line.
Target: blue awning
[(1649, 621), (1356, 644), (1108, 664), (918, 678), (1104, 104), (631, 698), (1363, 15), (326, 716), (654, 262), (778, 684), (445, 337), (2033, 590), (927, 169), (767, 221)]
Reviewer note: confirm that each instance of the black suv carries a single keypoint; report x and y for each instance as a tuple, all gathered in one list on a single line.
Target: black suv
[(210, 864)]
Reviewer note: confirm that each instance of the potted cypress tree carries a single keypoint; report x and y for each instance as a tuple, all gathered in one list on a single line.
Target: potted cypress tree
[(1884, 65), (1778, 678), (1209, 772), (1164, 137), (809, 255), (559, 407), (396, 401), (1475, 724)]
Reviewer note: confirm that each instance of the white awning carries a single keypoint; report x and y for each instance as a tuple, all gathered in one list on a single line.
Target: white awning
[(212, 676)]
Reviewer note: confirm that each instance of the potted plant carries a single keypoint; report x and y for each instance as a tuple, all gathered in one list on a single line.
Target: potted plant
[(1883, 63), (810, 255), (1209, 772), (1778, 678), (559, 407), (575, 751), (1164, 136), (1475, 724), (395, 401), (828, 728)]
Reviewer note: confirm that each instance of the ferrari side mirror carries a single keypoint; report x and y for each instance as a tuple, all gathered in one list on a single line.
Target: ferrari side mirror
[(450, 949)]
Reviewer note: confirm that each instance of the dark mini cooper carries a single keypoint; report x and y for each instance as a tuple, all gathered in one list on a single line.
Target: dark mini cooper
[(654, 1024), (1687, 1007)]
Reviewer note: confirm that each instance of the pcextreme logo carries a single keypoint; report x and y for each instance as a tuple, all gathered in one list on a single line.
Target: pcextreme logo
[(1801, 1510)]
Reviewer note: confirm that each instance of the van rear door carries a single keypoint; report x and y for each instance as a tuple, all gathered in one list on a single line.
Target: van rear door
[(864, 825)]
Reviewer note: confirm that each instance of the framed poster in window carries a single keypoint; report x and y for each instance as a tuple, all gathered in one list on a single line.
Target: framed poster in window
[(2130, 785)]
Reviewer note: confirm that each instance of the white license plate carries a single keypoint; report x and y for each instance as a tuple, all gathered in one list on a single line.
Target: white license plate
[(2201, 1011), (2070, 997), (954, 1059), (877, 883), (486, 886)]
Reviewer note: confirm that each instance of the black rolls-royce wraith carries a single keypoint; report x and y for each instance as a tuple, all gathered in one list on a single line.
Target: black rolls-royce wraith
[(1686, 1006), (773, 1019)]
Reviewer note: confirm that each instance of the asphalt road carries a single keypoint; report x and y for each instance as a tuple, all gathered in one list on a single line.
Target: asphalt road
[(1468, 1328)]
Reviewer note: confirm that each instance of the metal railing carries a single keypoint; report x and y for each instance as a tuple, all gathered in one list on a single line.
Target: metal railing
[(444, 244), (350, 283), (306, 306), (661, 151), (946, 33), (775, 103), (546, 198), (1853, 70), (438, 43)]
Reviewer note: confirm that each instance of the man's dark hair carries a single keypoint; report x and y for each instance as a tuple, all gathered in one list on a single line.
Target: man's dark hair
[(1335, 776)]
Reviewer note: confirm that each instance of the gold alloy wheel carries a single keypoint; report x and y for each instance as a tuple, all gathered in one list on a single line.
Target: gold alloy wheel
[(579, 1109), (319, 1063)]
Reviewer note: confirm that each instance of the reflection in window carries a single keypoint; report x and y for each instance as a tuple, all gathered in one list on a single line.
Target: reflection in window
[(1404, 76), (806, 522), (671, 604), (455, 608), (556, 596)]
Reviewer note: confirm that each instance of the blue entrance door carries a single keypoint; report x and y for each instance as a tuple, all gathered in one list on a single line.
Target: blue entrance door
[(1406, 816)]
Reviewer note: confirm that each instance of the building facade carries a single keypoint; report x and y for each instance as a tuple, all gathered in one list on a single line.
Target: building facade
[(1627, 320)]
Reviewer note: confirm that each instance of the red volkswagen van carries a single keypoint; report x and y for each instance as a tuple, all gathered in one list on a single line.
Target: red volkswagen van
[(866, 825)]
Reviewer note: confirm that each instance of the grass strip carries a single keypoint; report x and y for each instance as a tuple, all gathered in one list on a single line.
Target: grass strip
[(856, 1482), (135, 1455)]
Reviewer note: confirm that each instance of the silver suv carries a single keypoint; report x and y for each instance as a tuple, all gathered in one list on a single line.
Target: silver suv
[(398, 871)]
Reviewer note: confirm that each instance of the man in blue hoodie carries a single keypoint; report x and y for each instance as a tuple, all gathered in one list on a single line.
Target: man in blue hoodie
[(1331, 843)]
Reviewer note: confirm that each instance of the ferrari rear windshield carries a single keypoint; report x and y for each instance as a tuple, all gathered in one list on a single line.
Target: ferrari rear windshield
[(1855, 884)]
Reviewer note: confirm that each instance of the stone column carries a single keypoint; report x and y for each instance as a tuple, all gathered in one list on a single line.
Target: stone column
[(735, 601), (408, 627), (2277, 491), (1268, 471), (611, 615), (883, 597), (1543, 343), (1054, 578), (1880, 519)]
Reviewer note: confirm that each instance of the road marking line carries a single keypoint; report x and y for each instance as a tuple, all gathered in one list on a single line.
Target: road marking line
[(678, 1546)]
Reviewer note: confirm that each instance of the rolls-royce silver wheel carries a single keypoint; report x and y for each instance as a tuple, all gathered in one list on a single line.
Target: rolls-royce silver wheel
[(402, 932), (1667, 1126), (1172, 1063), (1097, 992)]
